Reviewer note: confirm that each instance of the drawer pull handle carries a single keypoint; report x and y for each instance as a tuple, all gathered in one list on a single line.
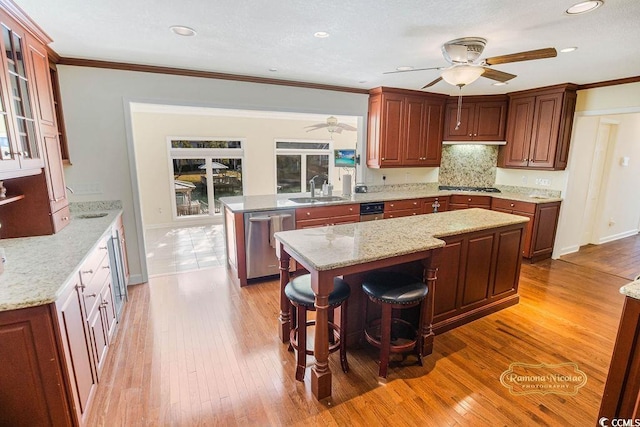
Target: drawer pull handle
[(350, 209), (88, 271), (308, 213), (81, 287), (65, 218), (90, 296), (104, 248), (469, 200), (512, 205), (415, 203), (106, 267)]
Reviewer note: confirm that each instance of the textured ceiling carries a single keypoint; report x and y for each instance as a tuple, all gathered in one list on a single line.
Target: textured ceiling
[(367, 38)]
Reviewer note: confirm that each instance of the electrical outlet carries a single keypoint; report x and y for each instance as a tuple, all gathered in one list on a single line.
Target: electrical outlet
[(612, 222), (543, 182)]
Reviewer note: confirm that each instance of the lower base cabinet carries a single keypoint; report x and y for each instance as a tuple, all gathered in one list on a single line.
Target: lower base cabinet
[(480, 275), (33, 391)]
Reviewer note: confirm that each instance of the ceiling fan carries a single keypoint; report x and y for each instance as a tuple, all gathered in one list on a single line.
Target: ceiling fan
[(463, 54), (332, 125)]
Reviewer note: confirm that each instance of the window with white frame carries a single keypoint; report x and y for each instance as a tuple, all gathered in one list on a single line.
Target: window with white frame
[(202, 171), (297, 162)]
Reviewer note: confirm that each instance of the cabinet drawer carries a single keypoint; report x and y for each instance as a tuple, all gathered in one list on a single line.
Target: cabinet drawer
[(60, 219), (91, 291), (513, 205), (403, 212), (92, 264), (322, 222), (476, 201), (327, 211), (402, 205), (443, 204)]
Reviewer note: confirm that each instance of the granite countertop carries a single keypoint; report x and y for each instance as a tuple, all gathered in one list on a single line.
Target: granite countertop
[(631, 290), (37, 268), (330, 247), (397, 192)]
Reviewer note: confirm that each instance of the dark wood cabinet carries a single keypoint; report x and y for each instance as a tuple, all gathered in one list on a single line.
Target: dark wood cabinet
[(480, 275), (436, 204), (482, 118), (541, 228), (74, 334), (464, 201), (30, 157), (400, 208), (405, 128), (327, 215), (622, 389), (539, 128), (31, 373)]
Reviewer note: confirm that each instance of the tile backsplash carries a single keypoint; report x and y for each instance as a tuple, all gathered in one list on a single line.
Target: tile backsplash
[(468, 165)]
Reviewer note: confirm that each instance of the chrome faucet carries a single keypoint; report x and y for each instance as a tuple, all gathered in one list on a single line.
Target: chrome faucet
[(312, 186)]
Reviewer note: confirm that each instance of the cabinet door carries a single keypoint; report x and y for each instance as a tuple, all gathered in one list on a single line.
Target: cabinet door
[(519, 125), (507, 264), (544, 231), (415, 132), (476, 285), (99, 338), (20, 87), (391, 130), (450, 262), (43, 91), (32, 391), (108, 308), (55, 174), (544, 136), (489, 121), (465, 130), (75, 336), (432, 141), (123, 247)]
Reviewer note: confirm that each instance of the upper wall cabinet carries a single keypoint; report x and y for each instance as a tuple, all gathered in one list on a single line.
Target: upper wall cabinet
[(405, 128), (482, 118), (20, 146), (539, 128), (30, 156)]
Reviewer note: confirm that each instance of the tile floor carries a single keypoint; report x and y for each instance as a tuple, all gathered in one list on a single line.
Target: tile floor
[(172, 250)]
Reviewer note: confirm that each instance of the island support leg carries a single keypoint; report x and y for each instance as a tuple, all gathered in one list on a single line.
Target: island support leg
[(284, 328), (322, 286), (426, 322)]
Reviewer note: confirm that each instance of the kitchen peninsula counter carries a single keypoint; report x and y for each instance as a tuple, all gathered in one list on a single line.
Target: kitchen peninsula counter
[(477, 251)]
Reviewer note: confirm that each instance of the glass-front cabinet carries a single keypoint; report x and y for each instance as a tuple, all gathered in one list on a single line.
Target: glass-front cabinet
[(19, 142)]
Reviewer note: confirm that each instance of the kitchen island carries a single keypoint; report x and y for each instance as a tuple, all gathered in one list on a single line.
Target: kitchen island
[(477, 250)]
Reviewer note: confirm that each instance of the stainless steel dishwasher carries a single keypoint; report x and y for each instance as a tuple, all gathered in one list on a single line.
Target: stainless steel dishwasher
[(260, 243)]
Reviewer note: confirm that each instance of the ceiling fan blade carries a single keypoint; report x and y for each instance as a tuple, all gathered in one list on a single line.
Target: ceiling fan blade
[(548, 52), (415, 69), (432, 83), (500, 76)]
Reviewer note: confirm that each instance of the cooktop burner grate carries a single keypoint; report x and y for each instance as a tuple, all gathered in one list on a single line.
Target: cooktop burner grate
[(461, 188)]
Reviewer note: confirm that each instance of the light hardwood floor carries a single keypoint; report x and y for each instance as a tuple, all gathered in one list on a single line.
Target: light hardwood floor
[(193, 349)]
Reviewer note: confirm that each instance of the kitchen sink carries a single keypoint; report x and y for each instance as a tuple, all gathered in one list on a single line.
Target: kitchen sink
[(316, 199), (92, 215)]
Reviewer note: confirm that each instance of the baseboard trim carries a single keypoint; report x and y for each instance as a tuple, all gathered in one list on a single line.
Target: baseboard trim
[(618, 236), (568, 250)]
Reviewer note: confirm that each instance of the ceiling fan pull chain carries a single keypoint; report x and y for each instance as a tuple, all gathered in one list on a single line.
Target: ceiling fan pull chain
[(459, 110)]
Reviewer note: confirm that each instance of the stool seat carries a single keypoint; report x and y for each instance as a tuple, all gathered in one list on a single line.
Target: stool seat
[(394, 288), (299, 291)]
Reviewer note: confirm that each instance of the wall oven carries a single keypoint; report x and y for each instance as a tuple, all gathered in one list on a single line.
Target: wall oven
[(371, 211)]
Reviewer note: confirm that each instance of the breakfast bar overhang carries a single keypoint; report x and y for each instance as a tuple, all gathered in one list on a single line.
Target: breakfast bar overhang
[(479, 252)]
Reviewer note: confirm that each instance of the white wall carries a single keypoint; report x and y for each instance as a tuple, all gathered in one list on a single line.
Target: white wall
[(95, 104), (620, 201), (151, 129)]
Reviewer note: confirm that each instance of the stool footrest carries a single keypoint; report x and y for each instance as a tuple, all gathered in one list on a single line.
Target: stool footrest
[(404, 336), (293, 341)]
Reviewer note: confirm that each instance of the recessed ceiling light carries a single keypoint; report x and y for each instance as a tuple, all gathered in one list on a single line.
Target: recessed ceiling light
[(181, 30), (273, 70), (321, 34), (584, 7), (404, 68), (362, 81), (568, 49), (500, 84)]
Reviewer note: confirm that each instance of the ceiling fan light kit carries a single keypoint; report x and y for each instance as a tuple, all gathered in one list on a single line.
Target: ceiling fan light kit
[(461, 75)]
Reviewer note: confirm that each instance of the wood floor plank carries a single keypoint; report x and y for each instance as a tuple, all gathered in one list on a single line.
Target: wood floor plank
[(194, 349)]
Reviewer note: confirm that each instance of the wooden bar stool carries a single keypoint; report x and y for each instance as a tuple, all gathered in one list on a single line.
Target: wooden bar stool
[(302, 299), (393, 290)]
